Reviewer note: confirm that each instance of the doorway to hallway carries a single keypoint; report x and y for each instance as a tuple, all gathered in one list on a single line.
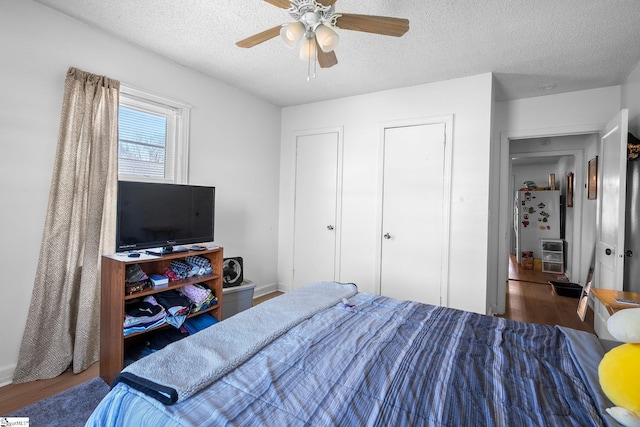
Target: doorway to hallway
[(580, 144)]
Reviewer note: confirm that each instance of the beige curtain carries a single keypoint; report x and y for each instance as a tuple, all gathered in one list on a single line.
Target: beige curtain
[(63, 326)]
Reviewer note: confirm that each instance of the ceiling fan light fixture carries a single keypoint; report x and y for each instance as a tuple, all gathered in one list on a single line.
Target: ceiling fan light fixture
[(308, 48), (313, 30), (327, 38), (292, 33)]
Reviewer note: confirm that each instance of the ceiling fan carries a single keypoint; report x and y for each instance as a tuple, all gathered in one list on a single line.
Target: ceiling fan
[(313, 28)]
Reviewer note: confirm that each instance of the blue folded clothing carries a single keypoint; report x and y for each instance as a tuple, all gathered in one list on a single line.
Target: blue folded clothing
[(198, 323)]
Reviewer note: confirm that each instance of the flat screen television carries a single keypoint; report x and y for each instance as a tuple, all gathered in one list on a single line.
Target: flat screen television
[(153, 215)]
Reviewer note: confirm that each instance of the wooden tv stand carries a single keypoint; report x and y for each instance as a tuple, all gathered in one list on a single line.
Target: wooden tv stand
[(607, 298), (113, 343), (605, 306)]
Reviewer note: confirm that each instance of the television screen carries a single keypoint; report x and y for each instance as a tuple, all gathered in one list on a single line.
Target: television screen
[(152, 215)]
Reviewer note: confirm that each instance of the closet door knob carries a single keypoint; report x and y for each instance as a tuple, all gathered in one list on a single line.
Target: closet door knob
[(608, 251), (329, 227), (387, 236)]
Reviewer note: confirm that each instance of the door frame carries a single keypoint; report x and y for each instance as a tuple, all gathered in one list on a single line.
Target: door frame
[(338, 226), (447, 121), (496, 301), (578, 160)]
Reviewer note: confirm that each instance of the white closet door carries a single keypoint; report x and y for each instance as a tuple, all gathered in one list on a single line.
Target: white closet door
[(315, 208), (412, 212)]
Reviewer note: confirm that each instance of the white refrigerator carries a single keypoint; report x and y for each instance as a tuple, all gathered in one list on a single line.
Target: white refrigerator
[(536, 216)]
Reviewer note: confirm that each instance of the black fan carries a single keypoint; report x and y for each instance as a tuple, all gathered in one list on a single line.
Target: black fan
[(232, 272)]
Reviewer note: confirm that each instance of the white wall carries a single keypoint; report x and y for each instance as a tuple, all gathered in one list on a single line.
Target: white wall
[(566, 165), (38, 45), (565, 110), (361, 117), (631, 99), (589, 214), (538, 173)]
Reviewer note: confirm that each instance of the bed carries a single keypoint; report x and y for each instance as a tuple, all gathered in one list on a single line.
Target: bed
[(327, 355)]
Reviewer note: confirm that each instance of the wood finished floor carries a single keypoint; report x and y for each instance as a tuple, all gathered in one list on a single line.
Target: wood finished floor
[(529, 298)]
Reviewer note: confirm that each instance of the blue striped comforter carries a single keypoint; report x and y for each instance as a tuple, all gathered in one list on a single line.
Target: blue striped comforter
[(386, 362)]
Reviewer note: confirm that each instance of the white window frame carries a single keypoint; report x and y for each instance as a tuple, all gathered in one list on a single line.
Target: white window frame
[(177, 142)]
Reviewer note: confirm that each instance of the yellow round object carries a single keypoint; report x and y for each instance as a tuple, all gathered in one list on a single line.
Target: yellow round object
[(619, 373)]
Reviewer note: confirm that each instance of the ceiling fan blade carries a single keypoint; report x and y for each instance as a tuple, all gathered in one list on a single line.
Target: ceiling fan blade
[(284, 4), (260, 37), (326, 2), (373, 24), (326, 59)]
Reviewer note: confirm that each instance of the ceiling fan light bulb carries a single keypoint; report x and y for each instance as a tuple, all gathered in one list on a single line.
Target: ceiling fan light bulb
[(292, 33), (308, 49), (327, 38)]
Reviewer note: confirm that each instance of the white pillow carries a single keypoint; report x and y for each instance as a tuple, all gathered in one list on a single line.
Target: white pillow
[(624, 325)]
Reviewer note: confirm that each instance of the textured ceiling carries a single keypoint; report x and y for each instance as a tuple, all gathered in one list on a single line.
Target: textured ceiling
[(534, 47)]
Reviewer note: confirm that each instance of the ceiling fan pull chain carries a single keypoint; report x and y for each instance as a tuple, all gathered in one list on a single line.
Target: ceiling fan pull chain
[(315, 63), (311, 58)]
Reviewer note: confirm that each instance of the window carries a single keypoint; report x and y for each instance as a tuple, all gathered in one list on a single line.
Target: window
[(153, 138)]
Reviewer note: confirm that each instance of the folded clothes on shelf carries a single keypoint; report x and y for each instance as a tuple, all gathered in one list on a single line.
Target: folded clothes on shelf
[(144, 315), (198, 323), (201, 296), (177, 306), (201, 263), (183, 269), (134, 273)]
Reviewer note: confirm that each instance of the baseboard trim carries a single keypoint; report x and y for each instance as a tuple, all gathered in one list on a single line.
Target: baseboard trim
[(264, 290), (6, 375)]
